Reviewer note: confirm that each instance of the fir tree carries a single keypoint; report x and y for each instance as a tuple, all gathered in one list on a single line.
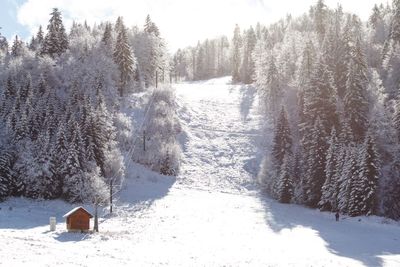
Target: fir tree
[(56, 40), (348, 175), (6, 161), (16, 49), (285, 182), (107, 35), (150, 27), (282, 143), (330, 188), (363, 196), (236, 55), (316, 163), (247, 69), (355, 100), (125, 61)]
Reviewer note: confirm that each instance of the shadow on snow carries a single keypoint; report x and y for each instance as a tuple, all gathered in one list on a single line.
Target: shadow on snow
[(364, 240)]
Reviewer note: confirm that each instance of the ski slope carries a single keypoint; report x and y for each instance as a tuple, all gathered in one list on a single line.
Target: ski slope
[(210, 215)]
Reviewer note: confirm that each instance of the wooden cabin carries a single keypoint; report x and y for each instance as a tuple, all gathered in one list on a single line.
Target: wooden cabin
[(78, 220)]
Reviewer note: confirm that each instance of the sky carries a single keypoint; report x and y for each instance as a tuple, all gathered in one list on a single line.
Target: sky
[(182, 22)]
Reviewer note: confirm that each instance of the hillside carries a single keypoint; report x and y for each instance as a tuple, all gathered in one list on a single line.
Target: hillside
[(210, 215)]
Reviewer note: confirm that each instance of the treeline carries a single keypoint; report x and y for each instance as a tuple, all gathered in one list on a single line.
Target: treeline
[(329, 86), (220, 57), (62, 121)]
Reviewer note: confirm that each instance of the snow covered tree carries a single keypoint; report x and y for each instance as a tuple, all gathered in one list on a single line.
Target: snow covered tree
[(6, 162), (273, 92), (282, 143), (321, 101), (330, 188), (236, 54), (347, 175), (125, 60), (150, 27), (17, 47), (247, 68), (320, 17), (391, 197), (363, 195), (285, 181), (316, 163), (355, 100), (56, 40)]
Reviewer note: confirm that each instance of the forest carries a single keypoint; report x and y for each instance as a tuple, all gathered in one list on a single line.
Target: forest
[(328, 83), (64, 123)]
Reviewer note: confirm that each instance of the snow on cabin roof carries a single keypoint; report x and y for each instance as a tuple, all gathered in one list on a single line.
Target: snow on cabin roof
[(76, 209)]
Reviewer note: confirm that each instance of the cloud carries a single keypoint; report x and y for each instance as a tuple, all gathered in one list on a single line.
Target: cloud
[(182, 22)]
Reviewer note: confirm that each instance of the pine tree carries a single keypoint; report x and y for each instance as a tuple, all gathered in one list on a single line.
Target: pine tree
[(6, 161), (282, 143), (273, 91), (285, 182), (391, 196), (348, 175), (59, 153), (363, 196), (316, 163), (330, 188), (355, 100), (107, 35), (125, 61), (74, 185), (17, 47), (320, 17), (395, 22), (236, 55), (56, 41), (150, 27), (247, 69), (321, 101), (3, 44)]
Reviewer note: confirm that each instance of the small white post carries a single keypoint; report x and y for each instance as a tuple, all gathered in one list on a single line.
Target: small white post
[(52, 223)]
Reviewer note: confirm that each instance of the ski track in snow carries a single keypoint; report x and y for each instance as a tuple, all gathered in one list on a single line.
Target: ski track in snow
[(210, 215)]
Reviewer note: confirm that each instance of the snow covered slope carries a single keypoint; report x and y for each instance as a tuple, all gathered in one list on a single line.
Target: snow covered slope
[(211, 215), (222, 134)]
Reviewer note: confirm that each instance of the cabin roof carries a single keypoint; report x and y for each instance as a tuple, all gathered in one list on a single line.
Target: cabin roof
[(75, 210)]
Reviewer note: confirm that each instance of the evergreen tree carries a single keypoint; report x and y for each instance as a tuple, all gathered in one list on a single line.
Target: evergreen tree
[(150, 27), (125, 61), (273, 91), (236, 55), (316, 163), (355, 100), (285, 182), (330, 188), (282, 143), (107, 35), (247, 69), (348, 175), (17, 47), (56, 40), (363, 195), (391, 197), (6, 161), (321, 100)]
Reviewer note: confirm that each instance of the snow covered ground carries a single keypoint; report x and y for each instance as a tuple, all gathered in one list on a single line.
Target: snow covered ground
[(211, 215)]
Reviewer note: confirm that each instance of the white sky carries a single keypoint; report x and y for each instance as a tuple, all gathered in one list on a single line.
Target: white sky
[(182, 22)]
